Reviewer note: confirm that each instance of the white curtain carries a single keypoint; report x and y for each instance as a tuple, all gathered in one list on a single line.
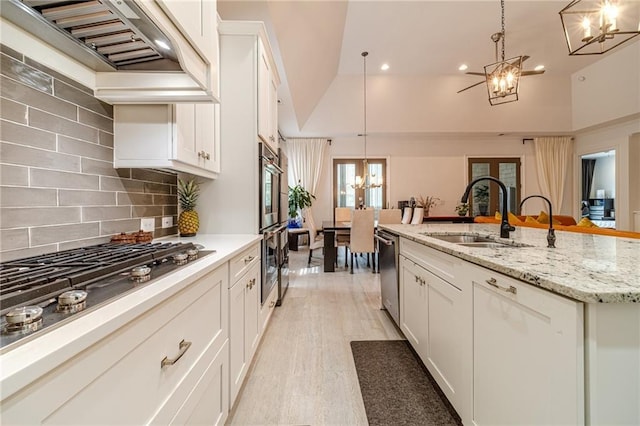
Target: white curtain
[(553, 156), (305, 161)]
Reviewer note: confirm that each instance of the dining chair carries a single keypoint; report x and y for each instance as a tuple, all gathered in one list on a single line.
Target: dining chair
[(343, 214), (406, 216), (390, 216), (315, 241), (362, 229)]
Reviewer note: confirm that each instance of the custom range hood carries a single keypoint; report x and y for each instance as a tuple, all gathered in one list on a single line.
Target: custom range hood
[(139, 50)]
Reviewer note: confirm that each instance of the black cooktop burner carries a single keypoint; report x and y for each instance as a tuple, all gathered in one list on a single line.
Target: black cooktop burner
[(104, 271)]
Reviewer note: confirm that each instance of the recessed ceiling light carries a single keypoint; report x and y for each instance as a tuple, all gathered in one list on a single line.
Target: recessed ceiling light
[(162, 44), (384, 67), (539, 67), (463, 67)]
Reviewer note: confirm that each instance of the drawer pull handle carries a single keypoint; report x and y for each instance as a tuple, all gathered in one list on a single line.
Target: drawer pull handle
[(251, 283), (184, 346), (249, 259), (272, 304), (511, 289)]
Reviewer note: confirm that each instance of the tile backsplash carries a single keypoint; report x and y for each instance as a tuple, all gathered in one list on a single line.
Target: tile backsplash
[(58, 187)]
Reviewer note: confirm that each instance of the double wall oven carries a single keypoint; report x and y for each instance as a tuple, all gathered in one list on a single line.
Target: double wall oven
[(273, 228)]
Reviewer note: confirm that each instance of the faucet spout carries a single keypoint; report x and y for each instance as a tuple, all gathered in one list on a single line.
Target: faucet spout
[(551, 235), (505, 228)]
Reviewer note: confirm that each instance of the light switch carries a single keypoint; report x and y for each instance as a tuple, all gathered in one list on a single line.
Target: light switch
[(147, 224)]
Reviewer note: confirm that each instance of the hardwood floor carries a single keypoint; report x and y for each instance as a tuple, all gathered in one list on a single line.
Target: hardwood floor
[(303, 372)]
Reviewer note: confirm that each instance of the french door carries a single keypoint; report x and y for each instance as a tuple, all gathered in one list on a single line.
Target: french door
[(486, 196), (345, 174)]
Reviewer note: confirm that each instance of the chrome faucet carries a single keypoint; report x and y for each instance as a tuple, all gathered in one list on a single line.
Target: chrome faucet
[(505, 228), (551, 235)]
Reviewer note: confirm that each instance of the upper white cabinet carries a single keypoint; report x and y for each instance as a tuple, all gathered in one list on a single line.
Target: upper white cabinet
[(267, 99), (180, 137)]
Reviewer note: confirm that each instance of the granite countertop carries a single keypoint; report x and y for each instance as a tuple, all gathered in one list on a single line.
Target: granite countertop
[(584, 267)]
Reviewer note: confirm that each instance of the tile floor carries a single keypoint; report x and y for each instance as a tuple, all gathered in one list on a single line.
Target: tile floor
[(303, 372)]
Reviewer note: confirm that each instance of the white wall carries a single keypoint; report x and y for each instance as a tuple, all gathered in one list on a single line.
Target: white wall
[(604, 177), (433, 166)]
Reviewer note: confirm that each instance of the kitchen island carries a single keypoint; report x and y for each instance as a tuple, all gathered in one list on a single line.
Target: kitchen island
[(521, 333), (159, 353)]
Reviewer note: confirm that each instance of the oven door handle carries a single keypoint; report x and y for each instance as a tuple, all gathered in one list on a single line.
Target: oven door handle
[(382, 240), (271, 165)]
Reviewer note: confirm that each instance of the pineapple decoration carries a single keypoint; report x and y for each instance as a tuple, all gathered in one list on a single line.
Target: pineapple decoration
[(188, 222)]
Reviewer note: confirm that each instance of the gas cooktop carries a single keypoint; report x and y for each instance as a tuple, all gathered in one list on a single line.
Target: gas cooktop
[(40, 291)]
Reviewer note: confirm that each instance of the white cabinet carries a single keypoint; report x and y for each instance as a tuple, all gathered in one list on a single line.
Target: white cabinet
[(528, 353), (266, 310), (181, 137), (125, 378), (267, 100), (413, 305), (244, 304)]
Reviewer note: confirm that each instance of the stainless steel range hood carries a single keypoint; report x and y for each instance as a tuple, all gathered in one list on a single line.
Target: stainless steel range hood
[(101, 34)]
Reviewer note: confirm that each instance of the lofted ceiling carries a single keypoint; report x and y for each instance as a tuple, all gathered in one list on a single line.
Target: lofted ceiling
[(316, 41)]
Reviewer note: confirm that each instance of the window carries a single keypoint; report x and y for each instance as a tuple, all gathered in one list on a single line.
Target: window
[(344, 177), (486, 197)]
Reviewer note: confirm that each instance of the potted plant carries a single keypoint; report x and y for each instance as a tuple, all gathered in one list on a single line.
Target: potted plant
[(427, 202), (299, 198), (462, 209), (481, 197)]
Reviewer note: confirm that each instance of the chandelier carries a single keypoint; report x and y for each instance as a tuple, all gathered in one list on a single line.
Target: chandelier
[(365, 182), (503, 76), (593, 27)]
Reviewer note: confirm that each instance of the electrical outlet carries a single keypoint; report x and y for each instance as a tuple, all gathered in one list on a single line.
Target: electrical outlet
[(167, 221), (147, 224)]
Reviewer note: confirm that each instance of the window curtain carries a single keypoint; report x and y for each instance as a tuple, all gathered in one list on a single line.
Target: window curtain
[(588, 166), (553, 156), (305, 161)]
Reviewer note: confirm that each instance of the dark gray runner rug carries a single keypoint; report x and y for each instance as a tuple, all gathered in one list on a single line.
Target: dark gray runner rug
[(396, 387)]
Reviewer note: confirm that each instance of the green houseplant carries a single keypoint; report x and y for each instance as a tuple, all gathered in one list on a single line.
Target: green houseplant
[(299, 198), (481, 197)]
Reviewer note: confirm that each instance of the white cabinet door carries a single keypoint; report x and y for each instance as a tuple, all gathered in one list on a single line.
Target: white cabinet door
[(413, 306), (264, 95), (528, 354), (273, 113), (252, 308), (185, 146), (207, 136)]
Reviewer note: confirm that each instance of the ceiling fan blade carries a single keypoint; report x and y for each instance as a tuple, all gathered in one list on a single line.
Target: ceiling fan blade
[(481, 74), (525, 73), (473, 85), (525, 57)]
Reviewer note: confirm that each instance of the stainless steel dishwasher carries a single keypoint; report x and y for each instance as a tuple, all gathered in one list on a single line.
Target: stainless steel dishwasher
[(388, 262)]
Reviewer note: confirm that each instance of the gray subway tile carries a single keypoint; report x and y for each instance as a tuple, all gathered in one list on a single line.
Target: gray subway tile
[(54, 234), (154, 176), (163, 232), (27, 252), (45, 121), (91, 214), (14, 175), (95, 120), (127, 199), (69, 197), (164, 199), (9, 51), (26, 74), (37, 99), (156, 188), (13, 239), (110, 227), (56, 179), (78, 97), (17, 154), (84, 149), (24, 135), (30, 216), (146, 211), (57, 75), (170, 210), (105, 139), (83, 243), (122, 185), (102, 168), (13, 111), (24, 197)]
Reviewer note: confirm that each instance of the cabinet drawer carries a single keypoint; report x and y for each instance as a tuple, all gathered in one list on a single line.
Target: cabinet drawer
[(120, 379), (440, 264), (243, 261)]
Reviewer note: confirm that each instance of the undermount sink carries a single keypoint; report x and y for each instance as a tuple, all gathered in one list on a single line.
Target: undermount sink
[(472, 240)]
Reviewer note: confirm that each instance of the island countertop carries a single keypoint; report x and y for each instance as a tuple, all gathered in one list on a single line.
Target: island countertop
[(588, 268)]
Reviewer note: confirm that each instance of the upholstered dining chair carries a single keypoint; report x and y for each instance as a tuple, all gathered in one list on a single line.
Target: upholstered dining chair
[(390, 216), (362, 228), (315, 241), (343, 214)]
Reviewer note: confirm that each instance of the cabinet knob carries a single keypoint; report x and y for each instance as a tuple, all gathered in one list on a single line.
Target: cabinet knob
[(207, 156)]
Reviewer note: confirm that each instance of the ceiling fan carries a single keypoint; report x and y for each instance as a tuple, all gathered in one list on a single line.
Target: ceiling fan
[(496, 37)]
